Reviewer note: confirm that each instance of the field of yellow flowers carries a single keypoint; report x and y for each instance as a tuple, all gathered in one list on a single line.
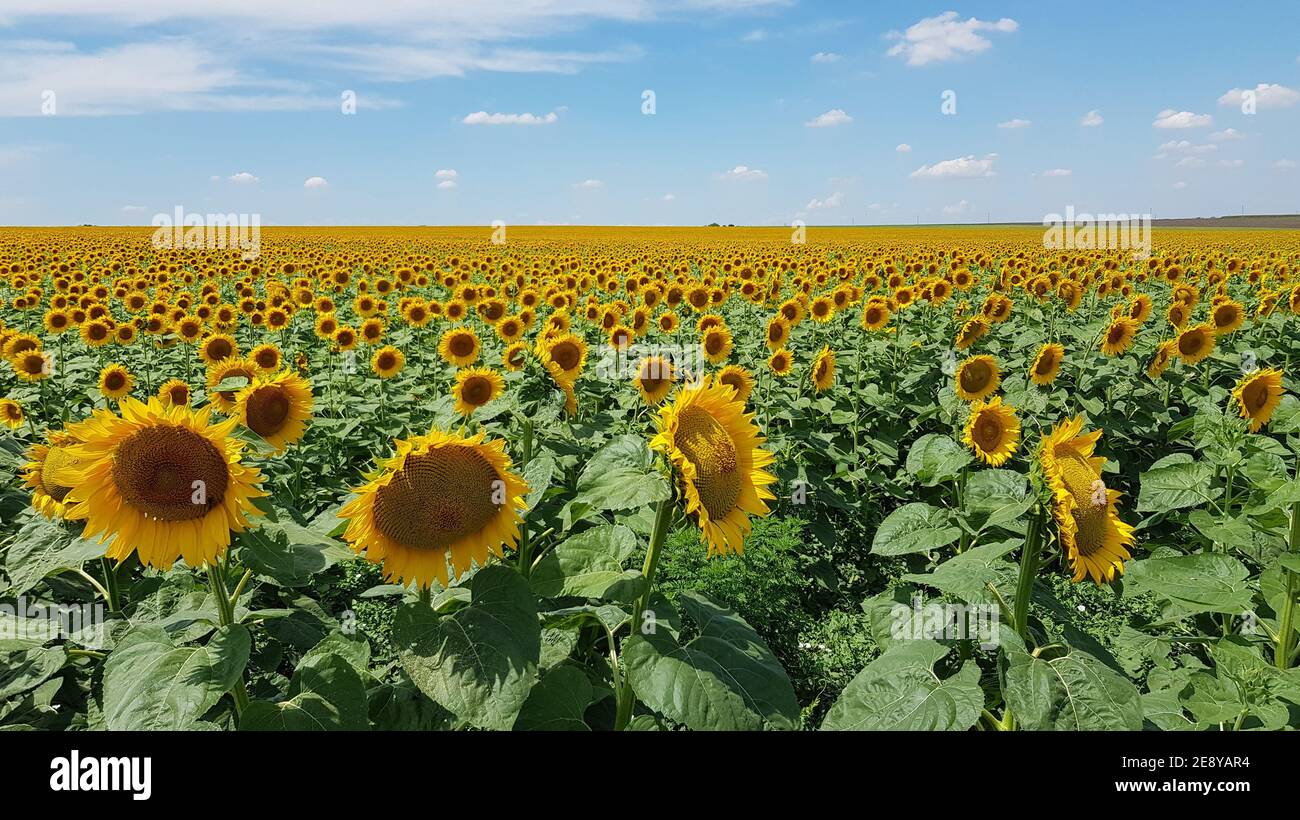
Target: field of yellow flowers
[(599, 478)]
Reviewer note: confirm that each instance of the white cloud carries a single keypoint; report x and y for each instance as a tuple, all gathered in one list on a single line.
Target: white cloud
[(1092, 119), (833, 201), (446, 184), (1185, 148), (942, 38), (315, 182), (1227, 134), (589, 184), (445, 173), (903, 148), (1179, 185), (1231, 163), (243, 178), (484, 118), (1170, 118), (1191, 162), (826, 57), (1057, 172), (743, 173), (1267, 95), (669, 197), (133, 209), (1015, 123), (1284, 164), (755, 36), (835, 116), (967, 167), (954, 210)]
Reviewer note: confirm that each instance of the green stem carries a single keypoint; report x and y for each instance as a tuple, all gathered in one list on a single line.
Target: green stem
[(663, 520), (1028, 569), (1286, 628), (226, 614), (113, 595)]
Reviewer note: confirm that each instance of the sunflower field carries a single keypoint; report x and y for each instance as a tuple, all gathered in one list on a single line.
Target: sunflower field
[(651, 479)]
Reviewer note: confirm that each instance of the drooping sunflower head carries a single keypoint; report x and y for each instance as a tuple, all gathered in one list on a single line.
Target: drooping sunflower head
[(115, 381), (163, 482), (823, 369), (971, 332), (1258, 395), (738, 379), (442, 498), (1195, 343), (51, 474), (978, 377), (1047, 364), (475, 387), (1096, 541), (277, 408), (654, 379), (715, 449), (993, 431)]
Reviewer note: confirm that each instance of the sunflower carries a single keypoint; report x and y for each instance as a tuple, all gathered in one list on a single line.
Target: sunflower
[(778, 332), (11, 413), (1094, 537), (1119, 336), (229, 369), (738, 379), (277, 408), (165, 482), (1047, 364), (716, 343), (564, 356), (1258, 395), (475, 387), (781, 362), (654, 379), (387, 362), (515, 356), (96, 333), (32, 365), (218, 346), (440, 497), (345, 338), (115, 381), (1227, 316), (875, 315), (978, 377), (459, 346), (51, 474), (971, 332), (267, 357), (1195, 343), (1165, 354), (174, 392), (715, 448), (993, 431), (668, 322), (823, 369)]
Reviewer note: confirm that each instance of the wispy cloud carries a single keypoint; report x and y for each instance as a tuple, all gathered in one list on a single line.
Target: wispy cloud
[(945, 37), (484, 118), (1169, 118), (967, 167), (832, 118)]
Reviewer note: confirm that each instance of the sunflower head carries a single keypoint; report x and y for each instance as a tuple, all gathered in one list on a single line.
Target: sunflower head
[(1195, 343), (1258, 395), (277, 408), (654, 379), (387, 362), (1047, 364), (781, 362), (115, 381), (978, 377), (993, 431), (163, 482), (174, 392), (716, 343), (715, 449), (823, 369), (442, 498), (1119, 336), (233, 368), (475, 387), (11, 413), (1096, 541), (51, 474), (738, 379)]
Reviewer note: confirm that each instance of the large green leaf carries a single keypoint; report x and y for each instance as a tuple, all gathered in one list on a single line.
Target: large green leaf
[(24, 667), (557, 702), (1176, 486), (1074, 692), (900, 691), (1204, 582), (915, 527), (967, 575), (995, 498), (936, 458), (324, 694), (620, 476), (40, 548), (590, 565), (726, 678), (150, 683), (480, 661)]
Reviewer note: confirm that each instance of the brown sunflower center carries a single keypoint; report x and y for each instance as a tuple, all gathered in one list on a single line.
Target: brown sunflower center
[(437, 498), (462, 344), (1089, 517), (476, 390), (708, 445), (387, 361), (1191, 343), (975, 376), (114, 380), (714, 343), (220, 349), (170, 473), (267, 410), (566, 355), (1256, 395), (1044, 364), (988, 432)]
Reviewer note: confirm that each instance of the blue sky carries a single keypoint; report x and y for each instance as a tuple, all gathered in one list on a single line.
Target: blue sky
[(765, 111)]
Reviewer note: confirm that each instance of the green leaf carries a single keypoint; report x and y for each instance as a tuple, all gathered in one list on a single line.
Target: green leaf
[(620, 476), (996, 498), (399, 706), (273, 555), (590, 565), (968, 574), (1175, 486), (1073, 692), (355, 650), (1204, 582), (915, 527), (326, 694), (726, 678), (479, 662), (557, 702), (937, 458), (24, 667), (40, 548), (1230, 531), (900, 691), (150, 683), (538, 474)]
